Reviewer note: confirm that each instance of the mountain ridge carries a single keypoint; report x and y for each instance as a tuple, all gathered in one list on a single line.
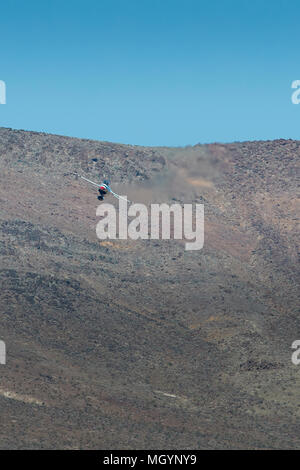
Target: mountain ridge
[(141, 344)]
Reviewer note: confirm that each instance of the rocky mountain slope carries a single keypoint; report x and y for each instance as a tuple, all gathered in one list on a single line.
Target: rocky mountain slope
[(142, 344)]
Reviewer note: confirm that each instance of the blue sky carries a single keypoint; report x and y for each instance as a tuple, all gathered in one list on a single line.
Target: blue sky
[(149, 72)]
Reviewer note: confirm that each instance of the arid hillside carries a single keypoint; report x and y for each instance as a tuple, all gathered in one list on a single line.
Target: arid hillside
[(123, 344)]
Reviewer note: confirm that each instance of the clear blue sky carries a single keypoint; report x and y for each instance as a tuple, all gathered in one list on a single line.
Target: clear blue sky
[(151, 72)]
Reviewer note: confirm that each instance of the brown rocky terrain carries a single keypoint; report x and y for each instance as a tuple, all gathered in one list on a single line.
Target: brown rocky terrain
[(141, 344)]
